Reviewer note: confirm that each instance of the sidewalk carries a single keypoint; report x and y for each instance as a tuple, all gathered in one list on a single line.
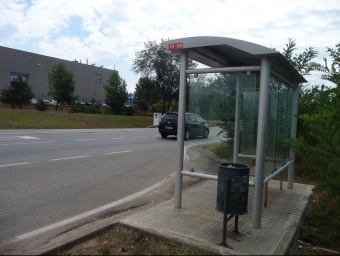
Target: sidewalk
[(197, 223)]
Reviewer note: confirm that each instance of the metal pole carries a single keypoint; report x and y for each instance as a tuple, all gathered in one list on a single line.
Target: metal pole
[(223, 70), (293, 136), (237, 121), (226, 194), (260, 144), (281, 169), (206, 176), (181, 128)]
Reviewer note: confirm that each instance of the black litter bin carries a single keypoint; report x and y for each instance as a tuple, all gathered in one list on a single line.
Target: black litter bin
[(235, 178)]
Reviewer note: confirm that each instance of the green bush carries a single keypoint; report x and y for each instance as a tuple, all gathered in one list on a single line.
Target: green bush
[(223, 149), (78, 109), (322, 221), (41, 105), (82, 109), (94, 110)]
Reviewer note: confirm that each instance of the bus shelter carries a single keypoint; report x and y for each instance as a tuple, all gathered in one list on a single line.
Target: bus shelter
[(249, 93)]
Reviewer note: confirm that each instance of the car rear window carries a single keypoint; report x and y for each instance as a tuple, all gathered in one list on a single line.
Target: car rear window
[(169, 118)]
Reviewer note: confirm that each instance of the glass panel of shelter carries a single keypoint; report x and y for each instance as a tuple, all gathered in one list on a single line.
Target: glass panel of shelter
[(213, 97), (278, 125)]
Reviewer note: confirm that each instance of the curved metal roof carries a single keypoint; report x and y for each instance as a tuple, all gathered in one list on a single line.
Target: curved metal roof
[(218, 52)]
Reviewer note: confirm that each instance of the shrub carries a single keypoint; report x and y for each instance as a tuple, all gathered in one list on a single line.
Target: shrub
[(82, 109), (78, 109), (41, 105), (94, 110)]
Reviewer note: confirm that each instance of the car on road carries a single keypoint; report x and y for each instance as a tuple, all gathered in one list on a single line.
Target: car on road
[(195, 125)]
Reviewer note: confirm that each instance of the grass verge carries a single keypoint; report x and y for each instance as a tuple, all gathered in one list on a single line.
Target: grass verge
[(33, 119)]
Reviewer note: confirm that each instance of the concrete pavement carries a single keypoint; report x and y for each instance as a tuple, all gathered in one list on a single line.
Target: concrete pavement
[(199, 224)]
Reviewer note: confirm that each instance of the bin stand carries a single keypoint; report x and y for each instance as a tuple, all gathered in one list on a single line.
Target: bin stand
[(225, 214)]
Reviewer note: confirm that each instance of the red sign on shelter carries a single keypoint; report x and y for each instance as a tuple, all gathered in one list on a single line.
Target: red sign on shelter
[(176, 46)]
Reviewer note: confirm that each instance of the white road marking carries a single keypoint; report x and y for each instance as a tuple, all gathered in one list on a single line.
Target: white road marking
[(119, 152), (19, 137), (68, 158), (85, 214), (7, 165), (26, 143), (117, 138), (28, 138)]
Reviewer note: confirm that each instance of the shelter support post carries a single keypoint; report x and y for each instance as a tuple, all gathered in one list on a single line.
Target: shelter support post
[(260, 145), (181, 128), (293, 136), (237, 121)]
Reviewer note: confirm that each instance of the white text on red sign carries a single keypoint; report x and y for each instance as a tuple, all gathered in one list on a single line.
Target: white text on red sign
[(176, 46)]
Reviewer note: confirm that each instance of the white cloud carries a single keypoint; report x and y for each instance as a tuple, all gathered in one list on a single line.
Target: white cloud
[(110, 32)]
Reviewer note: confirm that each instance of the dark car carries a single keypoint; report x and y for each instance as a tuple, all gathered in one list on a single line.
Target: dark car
[(195, 125)]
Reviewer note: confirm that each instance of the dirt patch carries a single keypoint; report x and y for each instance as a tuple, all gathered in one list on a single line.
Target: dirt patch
[(123, 240)]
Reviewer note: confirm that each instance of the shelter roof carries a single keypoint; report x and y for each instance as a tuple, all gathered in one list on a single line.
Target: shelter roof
[(216, 52)]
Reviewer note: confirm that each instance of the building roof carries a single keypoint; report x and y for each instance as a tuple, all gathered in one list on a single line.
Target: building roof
[(217, 52)]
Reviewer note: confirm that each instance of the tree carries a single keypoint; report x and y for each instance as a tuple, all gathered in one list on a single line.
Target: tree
[(18, 93), (61, 84), (318, 148), (116, 93), (301, 62), (333, 73), (162, 67), (145, 94), (304, 64)]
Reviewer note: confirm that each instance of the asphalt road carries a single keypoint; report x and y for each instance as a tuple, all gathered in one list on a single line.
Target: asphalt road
[(49, 176)]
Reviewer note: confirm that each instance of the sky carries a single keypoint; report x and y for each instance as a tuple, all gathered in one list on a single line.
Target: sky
[(110, 32)]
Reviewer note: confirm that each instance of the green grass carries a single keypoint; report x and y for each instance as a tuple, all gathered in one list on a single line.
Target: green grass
[(33, 119), (223, 150)]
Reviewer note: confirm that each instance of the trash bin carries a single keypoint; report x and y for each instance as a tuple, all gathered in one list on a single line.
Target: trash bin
[(235, 178)]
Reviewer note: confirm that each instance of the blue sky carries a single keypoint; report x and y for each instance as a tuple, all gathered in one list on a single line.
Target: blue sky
[(110, 32)]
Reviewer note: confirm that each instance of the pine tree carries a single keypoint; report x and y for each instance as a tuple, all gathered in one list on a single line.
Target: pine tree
[(116, 94), (18, 93)]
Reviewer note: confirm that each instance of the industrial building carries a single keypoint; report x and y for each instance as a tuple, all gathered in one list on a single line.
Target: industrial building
[(89, 79)]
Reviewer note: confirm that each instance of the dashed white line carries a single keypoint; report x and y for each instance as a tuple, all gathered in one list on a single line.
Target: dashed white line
[(10, 144), (7, 165), (68, 158), (19, 137), (118, 152), (117, 138)]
